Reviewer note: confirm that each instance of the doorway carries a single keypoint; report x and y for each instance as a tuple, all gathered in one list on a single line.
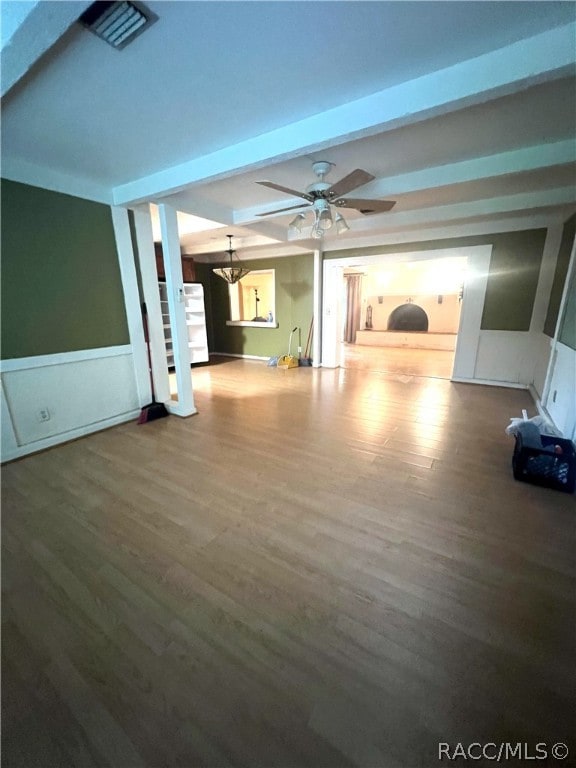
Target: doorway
[(403, 318), (459, 362)]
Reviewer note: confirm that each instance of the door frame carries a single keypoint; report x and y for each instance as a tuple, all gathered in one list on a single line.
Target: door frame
[(475, 283)]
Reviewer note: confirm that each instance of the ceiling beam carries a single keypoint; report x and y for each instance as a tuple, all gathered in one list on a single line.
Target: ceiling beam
[(547, 56), (18, 169), (34, 32), (251, 245), (198, 206), (519, 204), (501, 164)]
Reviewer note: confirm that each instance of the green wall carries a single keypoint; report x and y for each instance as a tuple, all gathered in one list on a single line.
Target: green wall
[(294, 302), (61, 285), (560, 276), (512, 282), (513, 278)]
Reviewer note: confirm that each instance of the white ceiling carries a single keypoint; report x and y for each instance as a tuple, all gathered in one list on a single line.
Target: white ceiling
[(463, 111)]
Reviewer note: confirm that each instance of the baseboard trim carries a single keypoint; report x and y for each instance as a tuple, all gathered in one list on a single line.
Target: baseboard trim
[(67, 437), (245, 357), (537, 402), (490, 383)]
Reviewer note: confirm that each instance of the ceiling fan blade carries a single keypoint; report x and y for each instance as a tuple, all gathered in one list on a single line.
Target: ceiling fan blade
[(355, 179), (287, 190), (279, 210), (365, 206)]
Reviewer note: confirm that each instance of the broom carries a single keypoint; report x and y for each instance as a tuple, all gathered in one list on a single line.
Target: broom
[(307, 360), (154, 410)]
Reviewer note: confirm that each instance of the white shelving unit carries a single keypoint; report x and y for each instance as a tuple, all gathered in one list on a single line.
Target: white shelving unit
[(195, 322)]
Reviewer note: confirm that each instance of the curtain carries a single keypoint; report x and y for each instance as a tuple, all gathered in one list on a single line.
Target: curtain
[(353, 307)]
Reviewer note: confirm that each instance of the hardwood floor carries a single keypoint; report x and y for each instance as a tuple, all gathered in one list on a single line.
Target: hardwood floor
[(437, 363), (322, 568)]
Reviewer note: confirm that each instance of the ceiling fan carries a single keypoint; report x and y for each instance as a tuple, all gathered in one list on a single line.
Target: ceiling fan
[(321, 195)]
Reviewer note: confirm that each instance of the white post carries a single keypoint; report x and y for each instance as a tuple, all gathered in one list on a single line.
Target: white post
[(317, 310), (333, 271), (131, 301), (175, 290), (149, 275), (475, 284)]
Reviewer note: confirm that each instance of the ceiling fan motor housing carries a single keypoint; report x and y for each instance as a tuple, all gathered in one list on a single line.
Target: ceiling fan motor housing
[(318, 188)]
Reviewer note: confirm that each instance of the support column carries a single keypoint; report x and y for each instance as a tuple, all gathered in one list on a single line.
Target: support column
[(175, 290), (149, 276), (126, 261), (317, 310)]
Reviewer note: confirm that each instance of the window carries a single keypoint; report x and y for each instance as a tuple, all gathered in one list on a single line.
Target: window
[(252, 300)]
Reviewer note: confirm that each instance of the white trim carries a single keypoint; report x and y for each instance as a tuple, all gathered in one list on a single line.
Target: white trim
[(245, 357), (487, 167), (316, 349), (9, 441), (58, 358), (469, 329), (25, 172), (333, 274), (470, 318), (538, 403), (556, 340), (378, 239), (234, 298), (65, 437), (489, 383), (149, 275), (175, 292), (127, 265), (382, 237), (250, 324)]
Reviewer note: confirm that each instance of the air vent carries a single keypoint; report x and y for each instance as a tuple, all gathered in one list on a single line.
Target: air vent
[(117, 23)]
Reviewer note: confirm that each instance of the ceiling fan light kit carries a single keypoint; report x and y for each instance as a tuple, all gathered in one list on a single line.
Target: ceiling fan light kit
[(297, 223), (321, 196), (341, 224), (233, 272)]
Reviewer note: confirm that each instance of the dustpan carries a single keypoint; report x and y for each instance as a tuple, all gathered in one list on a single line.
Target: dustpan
[(287, 361)]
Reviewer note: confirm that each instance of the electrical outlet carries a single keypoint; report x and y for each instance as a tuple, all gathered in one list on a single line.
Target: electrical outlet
[(43, 414)]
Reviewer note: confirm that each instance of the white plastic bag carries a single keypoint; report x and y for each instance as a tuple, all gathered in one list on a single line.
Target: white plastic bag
[(544, 425)]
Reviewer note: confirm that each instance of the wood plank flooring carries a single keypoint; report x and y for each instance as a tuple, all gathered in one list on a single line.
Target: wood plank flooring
[(323, 568), (437, 363)]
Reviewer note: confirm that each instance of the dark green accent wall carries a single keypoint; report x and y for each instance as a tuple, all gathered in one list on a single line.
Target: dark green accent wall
[(513, 278), (61, 285), (294, 302), (560, 276)]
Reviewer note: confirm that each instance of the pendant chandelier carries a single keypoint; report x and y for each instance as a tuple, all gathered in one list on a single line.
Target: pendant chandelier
[(233, 272)]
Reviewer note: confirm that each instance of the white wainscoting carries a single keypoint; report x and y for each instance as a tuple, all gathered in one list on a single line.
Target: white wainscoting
[(83, 392), (504, 356), (560, 402)]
